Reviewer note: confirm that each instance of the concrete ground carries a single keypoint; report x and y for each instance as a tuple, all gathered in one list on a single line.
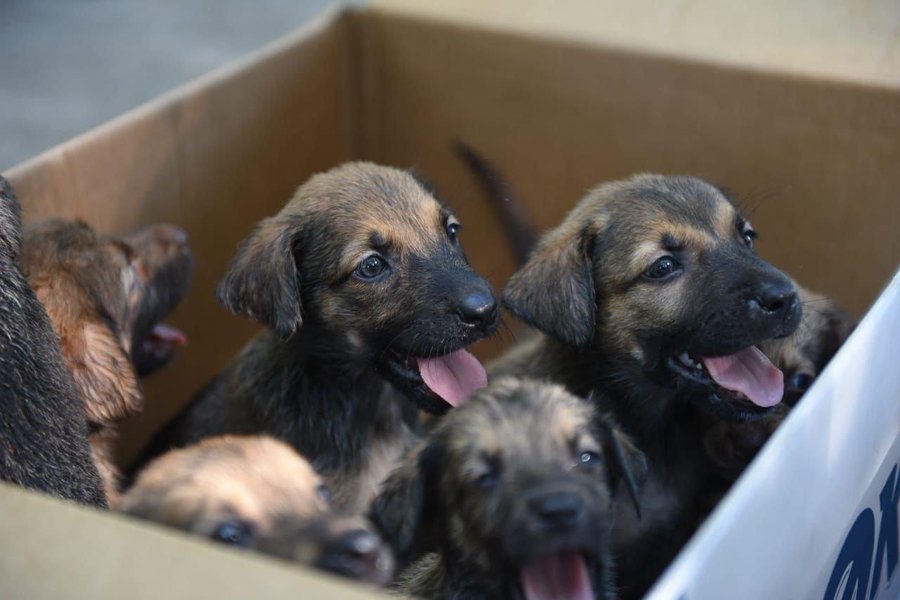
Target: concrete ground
[(69, 65)]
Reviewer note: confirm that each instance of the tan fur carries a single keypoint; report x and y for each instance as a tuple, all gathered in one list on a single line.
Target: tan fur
[(257, 478), (258, 481)]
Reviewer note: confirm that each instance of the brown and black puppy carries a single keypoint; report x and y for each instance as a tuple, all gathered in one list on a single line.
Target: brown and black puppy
[(513, 494), (43, 427), (801, 356), (106, 296), (651, 296), (257, 493), (368, 298)]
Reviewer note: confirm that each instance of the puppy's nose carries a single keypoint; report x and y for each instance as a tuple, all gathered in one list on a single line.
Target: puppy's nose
[(354, 553), (774, 299), (478, 308), (559, 509), (174, 234)]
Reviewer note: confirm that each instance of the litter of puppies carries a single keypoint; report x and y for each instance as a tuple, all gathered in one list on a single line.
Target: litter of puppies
[(356, 433)]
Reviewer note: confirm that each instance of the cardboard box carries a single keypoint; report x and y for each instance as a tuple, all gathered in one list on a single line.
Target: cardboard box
[(802, 122)]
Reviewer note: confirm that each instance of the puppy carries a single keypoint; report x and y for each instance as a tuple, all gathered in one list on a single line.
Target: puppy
[(43, 427), (650, 296), (368, 298), (257, 493), (801, 356), (513, 491), (106, 296)]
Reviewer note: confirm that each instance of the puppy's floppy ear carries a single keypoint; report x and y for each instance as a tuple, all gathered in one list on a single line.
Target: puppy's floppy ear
[(624, 461), (404, 510), (263, 282), (554, 290)]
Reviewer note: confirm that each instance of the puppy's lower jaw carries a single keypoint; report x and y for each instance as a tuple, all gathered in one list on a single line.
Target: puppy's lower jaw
[(562, 575), (154, 351)]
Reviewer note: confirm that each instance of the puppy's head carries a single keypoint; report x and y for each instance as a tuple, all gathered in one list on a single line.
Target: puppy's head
[(660, 274), (106, 296), (517, 484), (803, 355), (371, 261), (257, 493)]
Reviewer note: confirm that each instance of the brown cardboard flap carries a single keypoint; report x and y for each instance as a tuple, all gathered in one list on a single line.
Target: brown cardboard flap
[(55, 550), (813, 159), (812, 162), (857, 42)]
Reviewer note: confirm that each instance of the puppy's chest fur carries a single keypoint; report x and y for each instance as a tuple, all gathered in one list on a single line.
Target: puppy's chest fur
[(338, 413)]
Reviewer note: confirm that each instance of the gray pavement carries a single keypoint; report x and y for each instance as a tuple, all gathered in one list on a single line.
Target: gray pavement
[(69, 65)]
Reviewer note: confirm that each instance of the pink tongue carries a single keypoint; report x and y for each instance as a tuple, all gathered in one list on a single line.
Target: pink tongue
[(748, 372), (562, 576), (166, 334), (453, 377)]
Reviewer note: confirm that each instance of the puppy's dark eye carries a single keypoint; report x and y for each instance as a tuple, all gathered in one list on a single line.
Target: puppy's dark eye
[(453, 230), (324, 492), (800, 381), (749, 235), (234, 533), (663, 268), (588, 459), (488, 480), (371, 267)]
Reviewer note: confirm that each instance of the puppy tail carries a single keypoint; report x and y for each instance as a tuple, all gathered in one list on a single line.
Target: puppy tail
[(519, 227)]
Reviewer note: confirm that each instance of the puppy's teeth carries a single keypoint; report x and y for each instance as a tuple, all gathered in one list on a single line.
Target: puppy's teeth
[(685, 359)]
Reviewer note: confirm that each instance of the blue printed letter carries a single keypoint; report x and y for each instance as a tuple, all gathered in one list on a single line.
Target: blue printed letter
[(887, 531), (851, 569)]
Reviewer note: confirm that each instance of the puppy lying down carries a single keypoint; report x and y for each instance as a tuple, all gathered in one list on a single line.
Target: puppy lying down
[(512, 496), (255, 492)]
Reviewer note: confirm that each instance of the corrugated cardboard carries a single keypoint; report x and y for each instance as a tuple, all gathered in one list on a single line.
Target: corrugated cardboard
[(559, 103)]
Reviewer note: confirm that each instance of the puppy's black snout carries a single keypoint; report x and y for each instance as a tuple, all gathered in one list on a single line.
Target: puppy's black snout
[(558, 509), (478, 308), (775, 299), (358, 545)]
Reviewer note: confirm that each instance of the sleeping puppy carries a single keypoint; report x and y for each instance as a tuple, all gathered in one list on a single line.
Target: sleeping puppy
[(513, 493), (106, 296), (368, 299), (801, 356), (257, 493), (650, 296), (43, 427)]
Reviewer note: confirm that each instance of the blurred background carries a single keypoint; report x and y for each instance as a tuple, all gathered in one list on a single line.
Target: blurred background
[(69, 65)]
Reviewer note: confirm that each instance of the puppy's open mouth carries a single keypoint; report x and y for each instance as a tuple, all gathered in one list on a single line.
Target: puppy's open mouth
[(437, 383), (155, 350), (563, 575), (747, 375)]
